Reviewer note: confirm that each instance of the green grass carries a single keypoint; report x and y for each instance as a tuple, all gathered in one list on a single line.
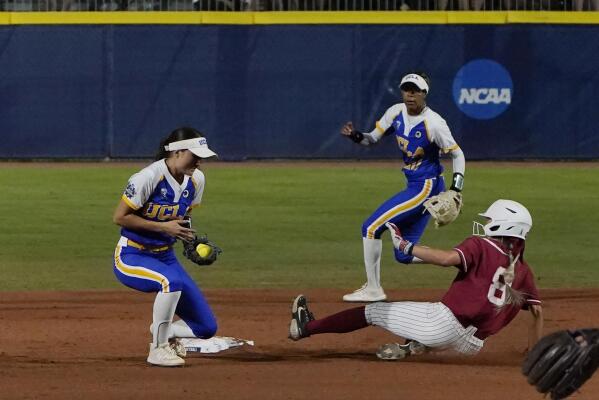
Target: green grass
[(284, 226)]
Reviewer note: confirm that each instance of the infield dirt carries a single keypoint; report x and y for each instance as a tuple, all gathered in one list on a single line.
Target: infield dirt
[(93, 345)]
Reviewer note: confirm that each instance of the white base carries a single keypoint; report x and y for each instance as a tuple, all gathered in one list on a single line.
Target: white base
[(215, 344)]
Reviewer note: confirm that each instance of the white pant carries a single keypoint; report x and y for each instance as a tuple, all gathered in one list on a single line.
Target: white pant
[(432, 324)]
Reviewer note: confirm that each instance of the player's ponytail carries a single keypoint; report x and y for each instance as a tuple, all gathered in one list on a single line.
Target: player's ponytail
[(181, 133), (512, 296)]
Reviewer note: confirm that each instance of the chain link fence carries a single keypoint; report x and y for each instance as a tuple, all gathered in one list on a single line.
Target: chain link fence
[(298, 5)]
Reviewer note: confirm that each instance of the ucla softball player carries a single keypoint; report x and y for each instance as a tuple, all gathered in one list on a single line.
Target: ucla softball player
[(421, 135), (492, 285), (150, 214)]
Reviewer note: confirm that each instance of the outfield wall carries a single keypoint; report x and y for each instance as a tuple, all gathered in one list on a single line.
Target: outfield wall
[(262, 90)]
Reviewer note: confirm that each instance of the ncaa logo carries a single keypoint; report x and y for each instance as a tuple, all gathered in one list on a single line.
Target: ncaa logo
[(483, 89)]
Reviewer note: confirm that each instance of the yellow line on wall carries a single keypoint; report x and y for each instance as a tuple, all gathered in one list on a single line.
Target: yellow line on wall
[(351, 17), (555, 17), (477, 17), (299, 17), (99, 17), (227, 18)]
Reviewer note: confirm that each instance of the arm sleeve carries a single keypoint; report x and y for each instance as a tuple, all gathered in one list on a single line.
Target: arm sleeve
[(139, 188), (199, 182), (458, 161)]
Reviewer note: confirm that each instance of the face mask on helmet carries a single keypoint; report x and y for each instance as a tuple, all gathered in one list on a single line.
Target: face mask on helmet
[(504, 218)]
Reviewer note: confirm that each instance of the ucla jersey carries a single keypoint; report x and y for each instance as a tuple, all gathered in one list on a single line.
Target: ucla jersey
[(157, 196), (420, 138)]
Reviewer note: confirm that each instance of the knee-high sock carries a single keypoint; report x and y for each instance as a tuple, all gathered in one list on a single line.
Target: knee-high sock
[(180, 329), (164, 310), (342, 322), (372, 261), (177, 329)]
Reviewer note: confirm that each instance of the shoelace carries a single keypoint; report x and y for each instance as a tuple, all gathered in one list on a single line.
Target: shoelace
[(176, 346), (308, 315), (362, 288), (171, 351)]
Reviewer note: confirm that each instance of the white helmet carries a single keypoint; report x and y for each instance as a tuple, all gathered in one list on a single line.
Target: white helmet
[(507, 218)]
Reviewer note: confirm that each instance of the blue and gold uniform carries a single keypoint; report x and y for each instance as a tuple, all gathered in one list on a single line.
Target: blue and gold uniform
[(421, 139), (145, 260)]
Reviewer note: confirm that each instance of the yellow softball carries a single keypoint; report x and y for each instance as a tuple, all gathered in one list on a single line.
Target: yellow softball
[(203, 250)]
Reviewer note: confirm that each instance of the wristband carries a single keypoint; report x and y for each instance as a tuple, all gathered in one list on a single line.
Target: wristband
[(458, 182), (406, 247), (409, 248)]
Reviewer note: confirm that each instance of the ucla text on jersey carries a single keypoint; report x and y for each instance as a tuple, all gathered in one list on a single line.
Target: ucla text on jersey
[(420, 138), (157, 196)]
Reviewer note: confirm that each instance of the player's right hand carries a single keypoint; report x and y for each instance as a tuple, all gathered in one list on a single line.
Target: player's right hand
[(401, 244), (178, 228), (347, 129)]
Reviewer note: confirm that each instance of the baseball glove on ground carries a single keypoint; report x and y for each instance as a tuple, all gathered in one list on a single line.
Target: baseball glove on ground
[(561, 362), (444, 207), (189, 251)]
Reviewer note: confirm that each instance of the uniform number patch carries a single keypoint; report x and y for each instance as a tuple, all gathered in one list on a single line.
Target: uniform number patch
[(496, 293)]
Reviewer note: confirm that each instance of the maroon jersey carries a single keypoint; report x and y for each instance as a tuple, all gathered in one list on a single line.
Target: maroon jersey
[(478, 290)]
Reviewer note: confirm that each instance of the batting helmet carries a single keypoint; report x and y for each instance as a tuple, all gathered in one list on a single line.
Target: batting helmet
[(506, 218)]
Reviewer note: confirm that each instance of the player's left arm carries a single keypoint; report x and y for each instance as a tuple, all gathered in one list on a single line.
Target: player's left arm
[(442, 137), (446, 206), (190, 248), (199, 182), (458, 168), (533, 304), (535, 329)]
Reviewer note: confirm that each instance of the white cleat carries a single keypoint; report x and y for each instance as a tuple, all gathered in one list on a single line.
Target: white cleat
[(366, 294), (396, 351), (393, 351), (164, 356)]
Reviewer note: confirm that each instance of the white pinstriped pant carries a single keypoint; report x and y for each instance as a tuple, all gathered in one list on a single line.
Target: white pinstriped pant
[(432, 324)]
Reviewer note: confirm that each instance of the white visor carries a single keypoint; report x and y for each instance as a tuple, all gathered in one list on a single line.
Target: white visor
[(416, 80), (198, 146)]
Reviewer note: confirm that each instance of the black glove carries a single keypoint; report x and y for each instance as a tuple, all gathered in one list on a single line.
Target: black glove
[(189, 251), (561, 362), (356, 136)]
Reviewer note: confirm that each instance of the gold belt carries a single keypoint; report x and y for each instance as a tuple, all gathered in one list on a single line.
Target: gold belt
[(154, 249)]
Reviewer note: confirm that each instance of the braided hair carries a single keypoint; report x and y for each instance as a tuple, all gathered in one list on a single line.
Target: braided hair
[(512, 296)]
